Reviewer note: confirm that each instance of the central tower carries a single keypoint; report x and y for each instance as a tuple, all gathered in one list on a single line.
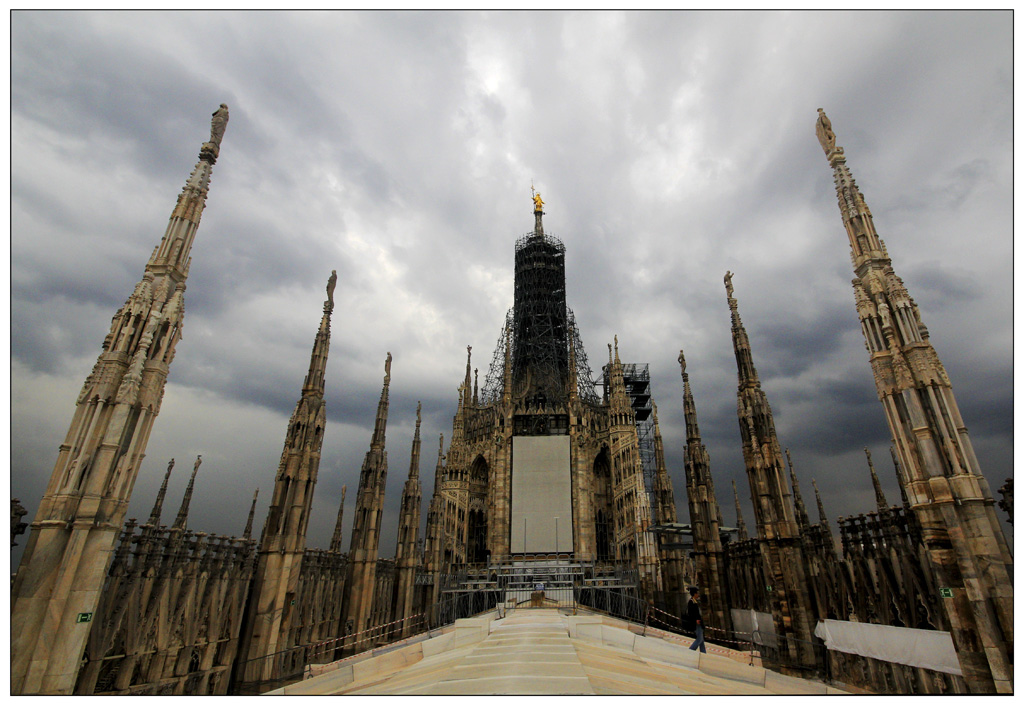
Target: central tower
[(540, 353), (539, 466)]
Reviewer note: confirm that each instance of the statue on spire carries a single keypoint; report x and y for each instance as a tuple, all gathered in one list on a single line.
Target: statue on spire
[(331, 283), (218, 124), (728, 284), (825, 134), (538, 204)]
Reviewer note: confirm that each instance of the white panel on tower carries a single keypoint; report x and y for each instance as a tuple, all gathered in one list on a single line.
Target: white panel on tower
[(541, 495)]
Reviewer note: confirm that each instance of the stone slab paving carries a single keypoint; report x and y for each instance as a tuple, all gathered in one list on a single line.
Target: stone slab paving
[(531, 652)]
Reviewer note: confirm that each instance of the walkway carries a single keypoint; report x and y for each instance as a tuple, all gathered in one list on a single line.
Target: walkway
[(542, 651)]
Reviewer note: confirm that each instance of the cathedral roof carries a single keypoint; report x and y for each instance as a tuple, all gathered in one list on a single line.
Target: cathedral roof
[(543, 651)]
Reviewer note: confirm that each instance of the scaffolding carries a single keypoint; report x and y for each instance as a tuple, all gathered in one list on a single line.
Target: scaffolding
[(494, 382), (541, 330), (540, 341), (637, 378)]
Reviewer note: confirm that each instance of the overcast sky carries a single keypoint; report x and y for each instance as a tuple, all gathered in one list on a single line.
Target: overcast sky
[(399, 149)]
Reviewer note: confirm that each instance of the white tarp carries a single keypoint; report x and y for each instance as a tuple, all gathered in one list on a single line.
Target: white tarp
[(541, 494), (921, 648), (749, 621)]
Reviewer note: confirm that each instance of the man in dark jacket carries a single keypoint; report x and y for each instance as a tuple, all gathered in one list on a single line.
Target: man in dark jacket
[(696, 622)]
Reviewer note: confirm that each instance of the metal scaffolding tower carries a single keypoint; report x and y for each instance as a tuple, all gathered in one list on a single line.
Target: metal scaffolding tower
[(540, 328)]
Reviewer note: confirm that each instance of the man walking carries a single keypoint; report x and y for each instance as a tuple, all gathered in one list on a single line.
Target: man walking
[(694, 618)]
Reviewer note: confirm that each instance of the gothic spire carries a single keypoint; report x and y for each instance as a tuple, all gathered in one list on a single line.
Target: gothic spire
[(665, 503), (336, 538), (181, 521), (282, 544), (366, 522), (105, 446), (381, 423), (762, 453), (740, 341), (439, 470), (173, 255), (414, 462), (154, 517), (314, 382), (252, 513), (963, 538), (619, 399), (406, 555), (798, 500), (741, 525), (689, 408), (899, 477), (822, 518), (883, 505), (467, 389)]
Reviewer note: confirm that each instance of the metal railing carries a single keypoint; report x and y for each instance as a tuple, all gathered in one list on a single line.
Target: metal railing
[(612, 602)]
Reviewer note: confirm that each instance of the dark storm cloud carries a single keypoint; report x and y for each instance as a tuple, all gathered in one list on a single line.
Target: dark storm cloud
[(398, 149)]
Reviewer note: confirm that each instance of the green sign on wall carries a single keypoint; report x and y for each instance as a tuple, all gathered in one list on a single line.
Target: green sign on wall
[(946, 592), (83, 617)]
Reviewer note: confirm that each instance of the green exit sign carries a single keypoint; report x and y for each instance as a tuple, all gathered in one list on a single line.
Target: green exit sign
[(83, 617), (946, 592), (769, 588)]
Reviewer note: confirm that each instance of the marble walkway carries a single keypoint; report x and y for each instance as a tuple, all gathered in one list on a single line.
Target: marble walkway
[(542, 651)]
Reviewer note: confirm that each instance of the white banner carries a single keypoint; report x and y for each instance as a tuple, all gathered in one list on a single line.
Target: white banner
[(923, 648)]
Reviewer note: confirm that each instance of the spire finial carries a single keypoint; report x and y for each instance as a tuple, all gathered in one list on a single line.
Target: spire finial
[(336, 539), (899, 477), (682, 363), (181, 521), (218, 123), (741, 525), (617, 350), (821, 507), (247, 533), (538, 212), (439, 469), (154, 517), (798, 500), (414, 462), (331, 283), (380, 425), (728, 284), (880, 501), (826, 136)]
